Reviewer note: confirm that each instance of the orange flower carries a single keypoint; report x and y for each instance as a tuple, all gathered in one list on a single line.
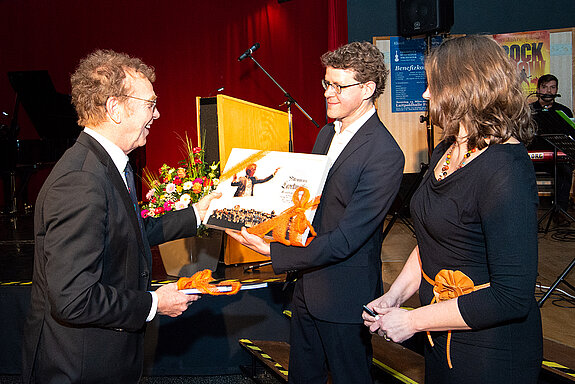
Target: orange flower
[(197, 188), (450, 284)]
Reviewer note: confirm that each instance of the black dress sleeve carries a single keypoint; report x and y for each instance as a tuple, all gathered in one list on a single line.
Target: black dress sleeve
[(507, 205)]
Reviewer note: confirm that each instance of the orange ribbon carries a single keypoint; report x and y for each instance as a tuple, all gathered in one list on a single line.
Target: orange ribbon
[(449, 284), (201, 281), (292, 221)]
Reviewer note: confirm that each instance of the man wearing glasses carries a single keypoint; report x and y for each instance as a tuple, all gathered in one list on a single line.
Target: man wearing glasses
[(340, 270), (92, 262)]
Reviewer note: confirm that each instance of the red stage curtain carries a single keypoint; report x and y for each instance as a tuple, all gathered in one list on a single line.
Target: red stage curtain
[(337, 26), (194, 46)]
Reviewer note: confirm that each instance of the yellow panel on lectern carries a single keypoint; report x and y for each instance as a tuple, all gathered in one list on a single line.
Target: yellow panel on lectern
[(247, 125), (241, 124)]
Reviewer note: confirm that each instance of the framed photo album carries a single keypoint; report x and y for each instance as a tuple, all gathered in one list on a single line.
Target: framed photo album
[(260, 186)]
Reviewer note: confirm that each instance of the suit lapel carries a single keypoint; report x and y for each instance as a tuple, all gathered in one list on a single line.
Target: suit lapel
[(118, 184), (358, 140), (324, 141)]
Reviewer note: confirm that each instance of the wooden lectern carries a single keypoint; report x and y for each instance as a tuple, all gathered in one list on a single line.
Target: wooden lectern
[(225, 123)]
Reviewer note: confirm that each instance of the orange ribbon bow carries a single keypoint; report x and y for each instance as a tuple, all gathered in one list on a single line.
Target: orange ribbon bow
[(201, 281), (449, 284), (292, 222)]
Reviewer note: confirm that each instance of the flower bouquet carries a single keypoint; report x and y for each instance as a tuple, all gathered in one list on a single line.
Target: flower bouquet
[(177, 188)]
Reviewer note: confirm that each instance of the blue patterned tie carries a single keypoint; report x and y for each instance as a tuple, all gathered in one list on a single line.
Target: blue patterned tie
[(132, 190)]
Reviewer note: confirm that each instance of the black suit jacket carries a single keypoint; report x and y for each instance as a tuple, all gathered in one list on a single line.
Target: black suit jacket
[(340, 270), (91, 273)]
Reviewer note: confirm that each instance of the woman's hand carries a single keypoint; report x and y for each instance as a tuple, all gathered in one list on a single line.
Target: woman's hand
[(379, 306), (393, 324)]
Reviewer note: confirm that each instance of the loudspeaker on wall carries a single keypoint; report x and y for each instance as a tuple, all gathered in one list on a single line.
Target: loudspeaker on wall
[(423, 17)]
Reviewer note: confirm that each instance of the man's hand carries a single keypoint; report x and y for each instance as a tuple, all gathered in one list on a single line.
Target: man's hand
[(253, 242), (172, 302), (204, 203)]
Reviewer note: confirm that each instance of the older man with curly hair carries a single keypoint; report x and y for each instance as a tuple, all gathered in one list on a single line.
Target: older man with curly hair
[(90, 296)]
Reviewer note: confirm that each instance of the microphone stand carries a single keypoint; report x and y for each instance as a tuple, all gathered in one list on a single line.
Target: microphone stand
[(426, 118), (290, 100)]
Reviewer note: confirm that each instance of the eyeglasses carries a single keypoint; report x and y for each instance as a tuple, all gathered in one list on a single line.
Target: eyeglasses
[(336, 87), (152, 102)]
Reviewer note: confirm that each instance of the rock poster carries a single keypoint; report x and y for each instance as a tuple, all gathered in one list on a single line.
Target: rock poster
[(531, 51)]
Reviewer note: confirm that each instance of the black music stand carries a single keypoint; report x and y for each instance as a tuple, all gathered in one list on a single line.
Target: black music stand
[(563, 141), (401, 203)]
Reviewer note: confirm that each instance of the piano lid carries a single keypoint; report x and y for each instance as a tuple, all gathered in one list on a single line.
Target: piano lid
[(51, 112)]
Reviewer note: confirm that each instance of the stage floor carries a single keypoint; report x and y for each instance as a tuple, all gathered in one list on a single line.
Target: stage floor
[(556, 251)]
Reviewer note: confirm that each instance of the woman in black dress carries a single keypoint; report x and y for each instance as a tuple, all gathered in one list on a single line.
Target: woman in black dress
[(475, 215)]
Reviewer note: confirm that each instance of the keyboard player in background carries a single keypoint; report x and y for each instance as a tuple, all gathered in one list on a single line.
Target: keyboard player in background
[(547, 87)]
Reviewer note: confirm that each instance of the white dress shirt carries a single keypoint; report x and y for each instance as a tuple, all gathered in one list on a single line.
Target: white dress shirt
[(341, 138)]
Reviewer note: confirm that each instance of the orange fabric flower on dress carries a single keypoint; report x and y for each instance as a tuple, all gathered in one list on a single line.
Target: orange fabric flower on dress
[(450, 284)]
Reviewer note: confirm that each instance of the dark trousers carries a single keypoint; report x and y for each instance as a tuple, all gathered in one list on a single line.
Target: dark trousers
[(318, 347)]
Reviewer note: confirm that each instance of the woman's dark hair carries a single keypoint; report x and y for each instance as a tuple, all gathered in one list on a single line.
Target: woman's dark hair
[(472, 81)]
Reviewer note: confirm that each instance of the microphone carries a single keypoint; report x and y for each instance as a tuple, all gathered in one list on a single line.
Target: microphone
[(249, 51), (548, 96), (217, 90)]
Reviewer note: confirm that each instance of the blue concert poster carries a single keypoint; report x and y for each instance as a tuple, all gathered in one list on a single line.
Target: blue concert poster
[(408, 80)]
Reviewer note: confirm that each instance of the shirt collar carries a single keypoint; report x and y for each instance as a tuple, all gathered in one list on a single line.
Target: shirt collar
[(118, 156), (354, 127)]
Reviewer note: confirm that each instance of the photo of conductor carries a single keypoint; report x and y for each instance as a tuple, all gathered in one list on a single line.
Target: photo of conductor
[(246, 183)]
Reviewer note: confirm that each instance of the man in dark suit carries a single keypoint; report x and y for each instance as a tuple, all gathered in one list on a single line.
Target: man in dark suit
[(90, 300), (340, 270)]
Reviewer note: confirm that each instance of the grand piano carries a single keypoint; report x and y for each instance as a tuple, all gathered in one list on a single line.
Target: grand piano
[(55, 121)]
